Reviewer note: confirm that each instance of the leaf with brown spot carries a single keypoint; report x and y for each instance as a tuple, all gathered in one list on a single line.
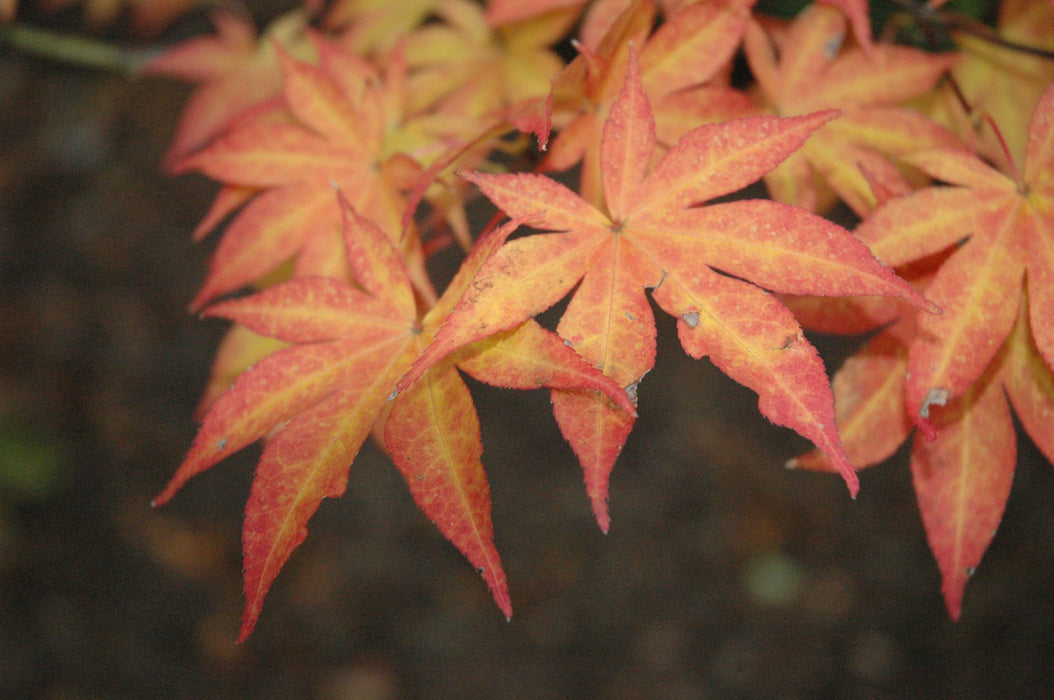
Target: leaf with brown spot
[(654, 231)]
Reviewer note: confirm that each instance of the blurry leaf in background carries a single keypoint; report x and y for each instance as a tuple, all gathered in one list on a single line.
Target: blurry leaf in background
[(32, 462)]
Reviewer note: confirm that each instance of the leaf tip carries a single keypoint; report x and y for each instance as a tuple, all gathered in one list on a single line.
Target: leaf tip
[(953, 598), (854, 487), (845, 468), (166, 495), (201, 300), (603, 517), (825, 115), (246, 629), (501, 595)]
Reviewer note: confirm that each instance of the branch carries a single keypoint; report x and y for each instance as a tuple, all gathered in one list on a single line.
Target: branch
[(74, 50)]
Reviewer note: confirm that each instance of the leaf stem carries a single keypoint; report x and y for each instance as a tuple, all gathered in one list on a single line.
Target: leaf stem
[(1011, 164), (951, 21), (977, 120)]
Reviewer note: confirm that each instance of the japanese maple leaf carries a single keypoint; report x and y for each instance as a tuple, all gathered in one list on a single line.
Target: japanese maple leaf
[(468, 66), (376, 26), (347, 129), (1009, 223), (599, 15), (703, 264), (951, 374), (813, 72), (594, 24), (680, 66), (962, 478), (235, 70), (315, 402), (501, 12)]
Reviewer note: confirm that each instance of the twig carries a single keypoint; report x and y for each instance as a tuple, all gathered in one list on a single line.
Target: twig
[(74, 50)]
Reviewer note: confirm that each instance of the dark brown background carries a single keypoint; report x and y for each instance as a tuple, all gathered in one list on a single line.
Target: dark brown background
[(724, 575)]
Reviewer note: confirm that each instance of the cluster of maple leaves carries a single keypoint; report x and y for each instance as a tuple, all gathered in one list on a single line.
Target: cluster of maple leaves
[(348, 142)]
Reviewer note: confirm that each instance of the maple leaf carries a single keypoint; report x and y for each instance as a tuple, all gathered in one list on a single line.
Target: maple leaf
[(474, 69), (682, 67), (376, 26), (962, 481), (702, 264), (952, 374), (1009, 223), (962, 477), (499, 12), (598, 18), (348, 129), (813, 72), (235, 69), (315, 402)]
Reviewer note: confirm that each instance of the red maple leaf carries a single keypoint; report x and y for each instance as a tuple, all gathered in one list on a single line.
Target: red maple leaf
[(315, 402), (950, 374), (342, 124), (682, 66), (705, 265)]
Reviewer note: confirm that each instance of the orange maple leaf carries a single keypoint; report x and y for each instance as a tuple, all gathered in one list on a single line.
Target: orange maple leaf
[(500, 12), (948, 373), (682, 67), (474, 69), (963, 476), (316, 401), (813, 71), (235, 70), (1009, 223), (701, 262), (596, 16), (375, 27), (344, 124)]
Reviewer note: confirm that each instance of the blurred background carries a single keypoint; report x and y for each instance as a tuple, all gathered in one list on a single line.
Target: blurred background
[(723, 576)]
